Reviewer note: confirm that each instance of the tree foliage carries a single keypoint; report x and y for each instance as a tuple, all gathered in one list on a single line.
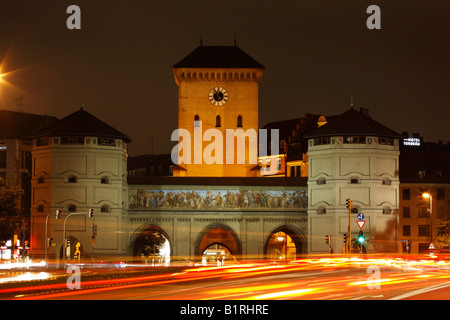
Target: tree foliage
[(9, 212)]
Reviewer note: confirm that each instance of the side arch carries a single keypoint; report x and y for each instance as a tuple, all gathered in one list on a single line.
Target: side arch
[(297, 238)]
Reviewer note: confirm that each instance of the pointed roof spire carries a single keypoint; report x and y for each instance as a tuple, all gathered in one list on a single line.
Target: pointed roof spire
[(82, 103), (351, 100)]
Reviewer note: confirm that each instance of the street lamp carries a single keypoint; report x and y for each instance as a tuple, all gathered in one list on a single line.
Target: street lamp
[(427, 195)]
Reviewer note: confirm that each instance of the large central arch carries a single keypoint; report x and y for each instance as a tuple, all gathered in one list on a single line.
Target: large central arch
[(217, 234)]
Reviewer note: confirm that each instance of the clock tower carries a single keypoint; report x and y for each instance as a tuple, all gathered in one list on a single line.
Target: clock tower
[(217, 89)]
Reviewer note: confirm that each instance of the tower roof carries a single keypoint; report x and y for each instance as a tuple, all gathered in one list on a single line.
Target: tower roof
[(82, 123), (218, 57), (352, 122)]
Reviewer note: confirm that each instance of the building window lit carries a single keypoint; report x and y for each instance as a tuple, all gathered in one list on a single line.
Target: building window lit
[(320, 141), (107, 142), (355, 139), (386, 141), (72, 140)]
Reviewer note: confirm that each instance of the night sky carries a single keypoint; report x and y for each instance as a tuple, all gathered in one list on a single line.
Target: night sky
[(316, 54)]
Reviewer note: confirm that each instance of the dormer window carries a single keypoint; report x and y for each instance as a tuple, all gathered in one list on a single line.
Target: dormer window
[(354, 180), (71, 179), (104, 180)]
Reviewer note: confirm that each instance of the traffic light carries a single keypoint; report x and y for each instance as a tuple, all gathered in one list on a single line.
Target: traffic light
[(67, 242), (91, 213), (348, 203), (328, 239), (58, 214), (361, 237), (345, 238)]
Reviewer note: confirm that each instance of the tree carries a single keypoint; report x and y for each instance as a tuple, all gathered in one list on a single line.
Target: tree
[(9, 212), (152, 243), (443, 238)]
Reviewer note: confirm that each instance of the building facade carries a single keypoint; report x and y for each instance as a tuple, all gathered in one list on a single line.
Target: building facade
[(79, 163), (354, 157), (424, 212), (217, 89)]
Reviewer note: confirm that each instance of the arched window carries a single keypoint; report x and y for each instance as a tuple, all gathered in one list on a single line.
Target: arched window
[(71, 208), (105, 208), (239, 121), (321, 181), (72, 179), (354, 180), (196, 121), (40, 208), (218, 121), (321, 210), (104, 180), (40, 180)]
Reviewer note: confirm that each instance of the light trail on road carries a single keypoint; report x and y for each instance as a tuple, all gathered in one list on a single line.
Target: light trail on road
[(319, 278)]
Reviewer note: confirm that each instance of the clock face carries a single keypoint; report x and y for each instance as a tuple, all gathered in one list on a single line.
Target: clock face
[(218, 96)]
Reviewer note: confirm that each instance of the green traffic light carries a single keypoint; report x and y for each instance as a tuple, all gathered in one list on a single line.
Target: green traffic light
[(360, 239)]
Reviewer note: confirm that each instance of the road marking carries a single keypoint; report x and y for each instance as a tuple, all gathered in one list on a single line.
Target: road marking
[(420, 291)]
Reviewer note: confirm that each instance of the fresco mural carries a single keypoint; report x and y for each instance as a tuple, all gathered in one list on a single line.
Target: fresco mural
[(218, 199)]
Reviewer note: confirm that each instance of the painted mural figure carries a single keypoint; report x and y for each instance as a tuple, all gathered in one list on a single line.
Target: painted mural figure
[(217, 199)]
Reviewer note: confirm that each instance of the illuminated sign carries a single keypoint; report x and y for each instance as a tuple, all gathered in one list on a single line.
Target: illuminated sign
[(411, 142)]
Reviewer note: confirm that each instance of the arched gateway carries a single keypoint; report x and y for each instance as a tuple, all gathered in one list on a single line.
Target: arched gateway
[(235, 217)]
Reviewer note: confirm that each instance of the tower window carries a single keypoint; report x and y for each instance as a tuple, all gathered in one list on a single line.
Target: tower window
[(71, 208), (218, 121), (239, 121), (104, 180), (354, 180), (72, 179)]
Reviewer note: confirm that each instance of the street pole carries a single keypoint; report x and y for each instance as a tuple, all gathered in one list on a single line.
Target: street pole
[(64, 234), (46, 240), (349, 227)]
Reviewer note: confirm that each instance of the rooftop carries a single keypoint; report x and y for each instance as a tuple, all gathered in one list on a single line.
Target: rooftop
[(352, 122), (82, 123), (20, 125), (218, 57)]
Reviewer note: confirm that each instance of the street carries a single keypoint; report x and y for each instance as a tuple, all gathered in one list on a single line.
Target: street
[(306, 279)]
